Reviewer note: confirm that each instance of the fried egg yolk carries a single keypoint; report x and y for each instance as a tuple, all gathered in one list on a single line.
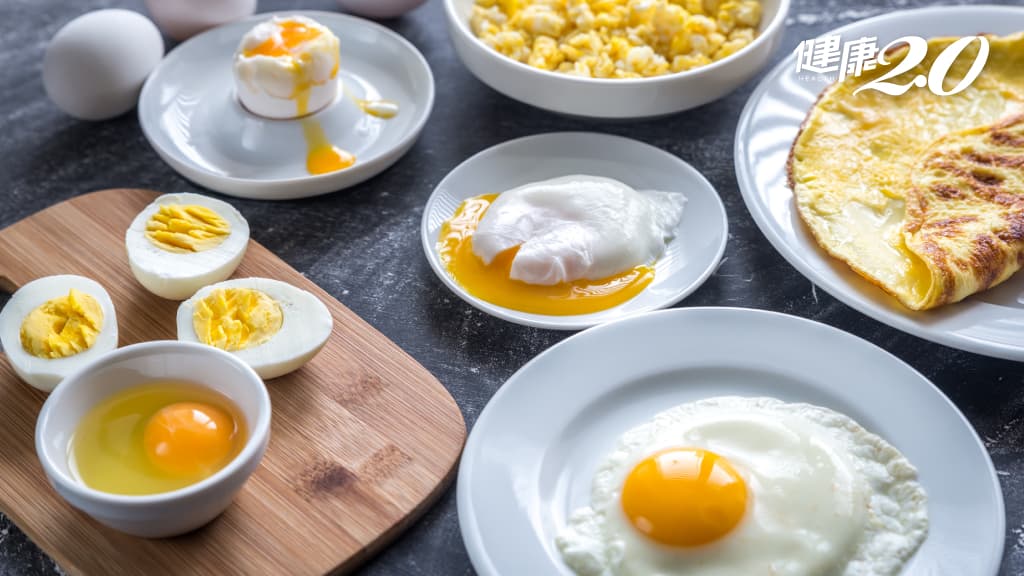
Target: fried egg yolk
[(236, 318), (493, 282), (186, 228), (684, 497), (63, 326), (189, 439)]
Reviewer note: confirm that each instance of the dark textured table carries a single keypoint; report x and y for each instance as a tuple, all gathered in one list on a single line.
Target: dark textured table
[(362, 244)]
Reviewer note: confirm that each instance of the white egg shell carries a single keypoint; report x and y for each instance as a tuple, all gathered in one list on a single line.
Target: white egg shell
[(379, 8), (95, 65), (306, 325), (181, 19), (46, 373), (177, 276)]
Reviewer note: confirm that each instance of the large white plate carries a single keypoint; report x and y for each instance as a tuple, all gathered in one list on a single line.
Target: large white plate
[(530, 457), (689, 258), (990, 323), (190, 115)]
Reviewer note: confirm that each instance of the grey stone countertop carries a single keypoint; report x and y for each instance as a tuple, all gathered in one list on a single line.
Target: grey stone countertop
[(362, 245)]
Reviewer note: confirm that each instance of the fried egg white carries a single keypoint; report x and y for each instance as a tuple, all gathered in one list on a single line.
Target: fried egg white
[(732, 485)]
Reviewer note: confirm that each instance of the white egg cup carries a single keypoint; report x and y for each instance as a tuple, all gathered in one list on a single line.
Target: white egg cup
[(168, 513)]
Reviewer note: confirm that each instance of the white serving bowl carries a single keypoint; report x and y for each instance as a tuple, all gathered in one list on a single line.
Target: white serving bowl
[(614, 98), (167, 513), (379, 8)]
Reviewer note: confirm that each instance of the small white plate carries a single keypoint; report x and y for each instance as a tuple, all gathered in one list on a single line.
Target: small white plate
[(530, 457), (688, 260), (988, 323), (191, 117)]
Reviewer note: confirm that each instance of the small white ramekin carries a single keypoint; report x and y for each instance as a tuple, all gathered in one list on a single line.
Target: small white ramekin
[(167, 513), (614, 98)]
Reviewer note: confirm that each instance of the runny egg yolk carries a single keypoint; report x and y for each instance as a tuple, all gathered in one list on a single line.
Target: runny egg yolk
[(186, 228), (292, 33), (322, 156), (189, 439), (63, 326), (684, 497), (236, 318), (493, 283)]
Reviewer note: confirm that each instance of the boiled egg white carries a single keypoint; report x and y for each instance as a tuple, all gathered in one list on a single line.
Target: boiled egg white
[(735, 485), (54, 325), (270, 325), (182, 242)]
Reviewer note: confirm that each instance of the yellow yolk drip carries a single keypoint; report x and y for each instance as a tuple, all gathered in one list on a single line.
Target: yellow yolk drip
[(292, 34), (186, 228), (323, 157), (493, 282), (189, 439), (684, 497), (236, 318), (156, 437), (63, 326), (385, 109)]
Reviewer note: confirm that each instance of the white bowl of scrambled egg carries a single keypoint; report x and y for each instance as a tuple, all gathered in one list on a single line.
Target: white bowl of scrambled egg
[(615, 58)]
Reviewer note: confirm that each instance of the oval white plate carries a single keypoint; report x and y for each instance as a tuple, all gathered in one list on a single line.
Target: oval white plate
[(191, 117), (689, 258), (989, 323), (530, 457)]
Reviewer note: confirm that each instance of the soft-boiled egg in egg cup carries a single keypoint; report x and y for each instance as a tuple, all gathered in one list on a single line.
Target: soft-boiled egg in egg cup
[(287, 67), (182, 242), (736, 485), (134, 505), (570, 245), (270, 325), (54, 325)]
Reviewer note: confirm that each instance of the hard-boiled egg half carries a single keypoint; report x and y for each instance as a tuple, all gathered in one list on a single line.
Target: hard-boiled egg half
[(270, 325), (182, 242), (53, 325)]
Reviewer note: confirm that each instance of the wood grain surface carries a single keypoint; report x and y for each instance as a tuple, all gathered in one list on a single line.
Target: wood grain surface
[(363, 438)]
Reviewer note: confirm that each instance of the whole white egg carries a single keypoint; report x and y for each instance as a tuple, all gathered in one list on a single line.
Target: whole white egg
[(270, 325), (181, 19), (46, 336), (95, 65), (732, 485)]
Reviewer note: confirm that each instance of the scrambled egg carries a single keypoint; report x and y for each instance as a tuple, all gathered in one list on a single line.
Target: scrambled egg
[(616, 38)]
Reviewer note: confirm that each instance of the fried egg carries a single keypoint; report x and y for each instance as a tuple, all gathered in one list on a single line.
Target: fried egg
[(182, 242), (569, 245), (858, 157), (270, 325), (732, 485), (52, 326)]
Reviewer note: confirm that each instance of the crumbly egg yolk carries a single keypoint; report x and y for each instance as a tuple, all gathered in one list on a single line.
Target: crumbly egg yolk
[(63, 326), (236, 318), (184, 228), (684, 497), (493, 283), (189, 439)]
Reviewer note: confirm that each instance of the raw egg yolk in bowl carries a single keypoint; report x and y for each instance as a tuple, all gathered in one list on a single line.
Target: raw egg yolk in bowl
[(156, 437)]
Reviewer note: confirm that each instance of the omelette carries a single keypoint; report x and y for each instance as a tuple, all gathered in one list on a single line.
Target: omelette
[(919, 193)]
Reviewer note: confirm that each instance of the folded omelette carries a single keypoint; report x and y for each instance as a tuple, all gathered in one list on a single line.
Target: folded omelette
[(921, 194)]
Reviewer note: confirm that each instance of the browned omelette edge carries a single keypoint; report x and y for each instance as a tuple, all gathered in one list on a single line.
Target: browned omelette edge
[(355, 560)]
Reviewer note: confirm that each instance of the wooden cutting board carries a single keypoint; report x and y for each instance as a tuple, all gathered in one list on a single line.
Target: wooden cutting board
[(363, 438)]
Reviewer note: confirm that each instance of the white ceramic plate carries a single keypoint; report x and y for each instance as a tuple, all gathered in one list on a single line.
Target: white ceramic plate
[(190, 115), (530, 457), (989, 323), (689, 258)]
